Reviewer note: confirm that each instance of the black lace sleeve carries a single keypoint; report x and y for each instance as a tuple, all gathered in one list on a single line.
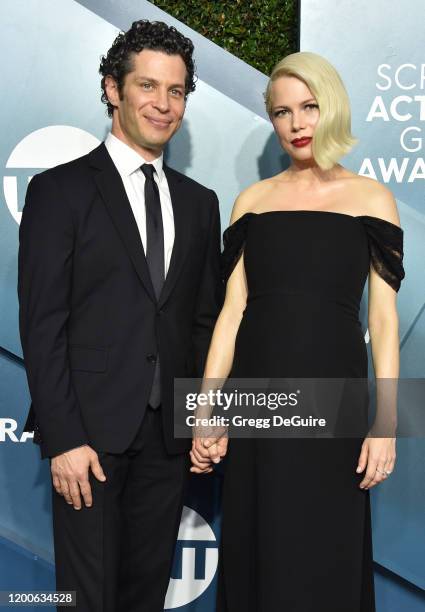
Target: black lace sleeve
[(233, 243), (386, 249)]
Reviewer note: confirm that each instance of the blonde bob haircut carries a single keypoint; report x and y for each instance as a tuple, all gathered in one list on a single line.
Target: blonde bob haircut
[(332, 136)]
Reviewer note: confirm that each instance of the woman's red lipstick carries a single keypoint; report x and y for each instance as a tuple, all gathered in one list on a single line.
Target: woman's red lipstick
[(300, 142)]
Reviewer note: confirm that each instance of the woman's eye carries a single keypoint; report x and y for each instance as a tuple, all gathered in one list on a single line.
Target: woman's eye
[(283, 111), (146, 85)]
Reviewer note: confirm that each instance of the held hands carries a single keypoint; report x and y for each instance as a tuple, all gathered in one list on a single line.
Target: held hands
[(378, 454), (206, 451), (70, 474)]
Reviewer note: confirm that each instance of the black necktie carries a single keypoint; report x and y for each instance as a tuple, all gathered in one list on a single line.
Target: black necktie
[(154, 256), (154, 230)]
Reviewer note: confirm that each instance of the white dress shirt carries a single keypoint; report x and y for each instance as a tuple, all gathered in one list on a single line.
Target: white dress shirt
[(127, 161)]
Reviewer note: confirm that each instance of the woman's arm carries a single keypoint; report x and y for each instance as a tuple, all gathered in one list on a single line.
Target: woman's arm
[(379, 453), (221, 351), (220, 354)]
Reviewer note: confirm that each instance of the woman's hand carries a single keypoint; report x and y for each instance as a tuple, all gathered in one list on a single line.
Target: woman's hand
[(205, 452), (378, 454)]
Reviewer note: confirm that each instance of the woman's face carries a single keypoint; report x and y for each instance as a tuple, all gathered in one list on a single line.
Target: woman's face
[(294, 116)]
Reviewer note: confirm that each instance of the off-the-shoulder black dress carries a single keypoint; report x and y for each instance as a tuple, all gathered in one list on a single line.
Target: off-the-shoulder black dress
[(296, 531)]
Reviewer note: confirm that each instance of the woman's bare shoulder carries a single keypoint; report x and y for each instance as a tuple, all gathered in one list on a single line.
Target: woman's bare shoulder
[(247, 201), (377, 200)]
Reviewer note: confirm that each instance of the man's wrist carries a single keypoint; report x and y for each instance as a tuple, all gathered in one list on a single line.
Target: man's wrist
[(68, 450)]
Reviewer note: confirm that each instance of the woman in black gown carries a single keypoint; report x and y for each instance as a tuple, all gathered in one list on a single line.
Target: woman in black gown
[(296, 531)]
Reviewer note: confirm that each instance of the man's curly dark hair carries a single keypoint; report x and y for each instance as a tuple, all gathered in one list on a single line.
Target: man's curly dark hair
[(144, 34)]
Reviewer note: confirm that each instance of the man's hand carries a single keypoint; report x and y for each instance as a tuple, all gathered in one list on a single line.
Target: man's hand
[(70, 474)]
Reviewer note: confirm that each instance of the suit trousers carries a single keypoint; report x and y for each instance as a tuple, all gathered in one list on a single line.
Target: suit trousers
[(117, 555)]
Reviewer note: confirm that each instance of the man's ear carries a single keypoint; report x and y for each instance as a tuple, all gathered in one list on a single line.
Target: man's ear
[(111, 89)]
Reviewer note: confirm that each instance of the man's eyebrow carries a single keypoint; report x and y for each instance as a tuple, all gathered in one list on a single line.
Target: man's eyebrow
[(304, 102), (140, 77)]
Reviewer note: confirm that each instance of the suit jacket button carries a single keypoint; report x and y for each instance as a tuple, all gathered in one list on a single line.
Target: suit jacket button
[(151, 358)]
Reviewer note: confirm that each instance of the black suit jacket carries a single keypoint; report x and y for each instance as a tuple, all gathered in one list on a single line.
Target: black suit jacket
[(90, 324)]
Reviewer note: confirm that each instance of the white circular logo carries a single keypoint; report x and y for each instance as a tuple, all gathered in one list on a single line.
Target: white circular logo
[(42, 149), (196, 558)]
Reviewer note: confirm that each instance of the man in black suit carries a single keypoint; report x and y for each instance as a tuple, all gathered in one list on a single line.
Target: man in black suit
[(119, 291)]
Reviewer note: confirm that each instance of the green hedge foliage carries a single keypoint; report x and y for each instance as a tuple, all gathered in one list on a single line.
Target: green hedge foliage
[(260, 32)]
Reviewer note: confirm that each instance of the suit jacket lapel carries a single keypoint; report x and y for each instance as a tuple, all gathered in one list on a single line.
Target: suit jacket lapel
[(182, 227), (114, 195)]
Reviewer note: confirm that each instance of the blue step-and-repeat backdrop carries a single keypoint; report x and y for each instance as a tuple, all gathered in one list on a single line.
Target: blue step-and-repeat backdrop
[(52, 113)]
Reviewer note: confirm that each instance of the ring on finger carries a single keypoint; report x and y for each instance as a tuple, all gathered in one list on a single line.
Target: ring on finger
[(382, 472)]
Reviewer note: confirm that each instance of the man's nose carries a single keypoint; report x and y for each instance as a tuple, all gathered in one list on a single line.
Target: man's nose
[(161, 100)]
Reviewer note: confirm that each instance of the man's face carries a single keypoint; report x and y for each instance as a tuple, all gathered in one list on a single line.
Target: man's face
[(151, 105)]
